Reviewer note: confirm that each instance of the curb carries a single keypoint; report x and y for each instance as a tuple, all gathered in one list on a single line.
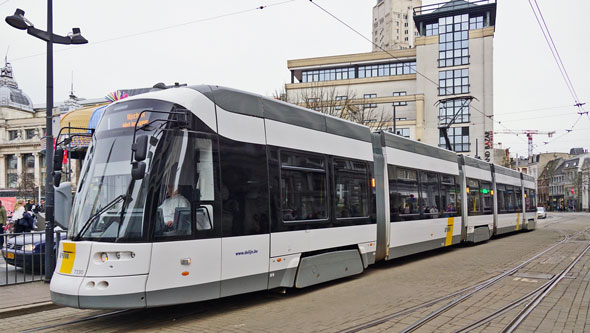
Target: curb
[(27, 309)]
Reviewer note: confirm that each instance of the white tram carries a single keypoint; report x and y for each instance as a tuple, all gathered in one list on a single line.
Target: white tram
[(195, 193)]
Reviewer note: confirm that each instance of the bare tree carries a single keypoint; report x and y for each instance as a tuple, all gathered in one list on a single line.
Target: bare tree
[(26, 187), (343, 104)]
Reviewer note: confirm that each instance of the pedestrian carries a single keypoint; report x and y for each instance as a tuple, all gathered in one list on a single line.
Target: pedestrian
[(21, 219), (2, 223), (29, 205)]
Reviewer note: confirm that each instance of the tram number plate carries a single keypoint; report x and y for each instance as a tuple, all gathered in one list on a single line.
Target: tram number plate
[(9, 255)]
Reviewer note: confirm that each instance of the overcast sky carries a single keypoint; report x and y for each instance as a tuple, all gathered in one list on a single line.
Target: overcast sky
[(136, 44)]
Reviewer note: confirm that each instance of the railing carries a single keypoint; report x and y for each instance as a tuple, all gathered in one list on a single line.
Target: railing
[(23, 257), (451, 5)]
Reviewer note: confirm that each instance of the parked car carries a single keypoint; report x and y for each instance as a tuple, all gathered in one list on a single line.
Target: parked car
[(28, 250), (541, 213)]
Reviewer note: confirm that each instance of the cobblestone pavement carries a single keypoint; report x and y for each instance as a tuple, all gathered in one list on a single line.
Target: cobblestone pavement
[(384, 289)]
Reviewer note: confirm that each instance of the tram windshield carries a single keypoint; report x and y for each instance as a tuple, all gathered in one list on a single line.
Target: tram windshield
[(97, 214)]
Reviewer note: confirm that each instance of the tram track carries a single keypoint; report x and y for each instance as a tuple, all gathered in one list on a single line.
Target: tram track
[(466, 293), (537, 295), (567, 235), (81, 320)]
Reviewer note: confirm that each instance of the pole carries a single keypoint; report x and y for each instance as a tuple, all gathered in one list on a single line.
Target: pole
[(394, 117), (49, 224)]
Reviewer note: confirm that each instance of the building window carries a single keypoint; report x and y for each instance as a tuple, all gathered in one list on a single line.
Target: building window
[(30, 133), (405, 132), (453, 82), (459, 138), (11, 171), (389, 69), (313, 103), (432, 29), (332, 74), (451, 108), (369, 105), (399, 93), (475, 22), (340, 100), (12, 135), (453, 41)]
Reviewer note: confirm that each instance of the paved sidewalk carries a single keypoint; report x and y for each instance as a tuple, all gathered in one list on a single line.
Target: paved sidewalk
[(24, 298)]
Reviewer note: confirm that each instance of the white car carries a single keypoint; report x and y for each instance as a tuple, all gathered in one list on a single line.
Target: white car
[(541, 213)]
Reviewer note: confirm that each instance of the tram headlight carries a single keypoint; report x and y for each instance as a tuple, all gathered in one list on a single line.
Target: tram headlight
[(104, 257)]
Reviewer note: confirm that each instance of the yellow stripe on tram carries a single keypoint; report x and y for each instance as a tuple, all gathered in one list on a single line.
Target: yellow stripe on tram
[(68, 256), (450, 224), (517, 221)]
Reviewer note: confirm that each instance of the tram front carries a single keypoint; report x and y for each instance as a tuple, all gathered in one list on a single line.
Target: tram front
[(121, 209)]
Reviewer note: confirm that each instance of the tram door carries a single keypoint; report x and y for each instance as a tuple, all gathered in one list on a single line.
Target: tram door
[(186, 253), (244, 194)]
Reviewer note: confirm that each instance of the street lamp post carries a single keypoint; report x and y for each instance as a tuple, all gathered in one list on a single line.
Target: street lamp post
[(19, 21)]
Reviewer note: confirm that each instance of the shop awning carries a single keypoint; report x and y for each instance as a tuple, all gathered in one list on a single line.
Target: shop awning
[(86, 117), (77, 118)]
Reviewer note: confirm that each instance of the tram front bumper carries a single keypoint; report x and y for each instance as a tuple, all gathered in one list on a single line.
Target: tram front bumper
[(123, 292)]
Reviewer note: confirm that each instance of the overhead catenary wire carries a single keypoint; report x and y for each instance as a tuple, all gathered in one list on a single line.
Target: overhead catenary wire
[(555, 53), (239, 12)]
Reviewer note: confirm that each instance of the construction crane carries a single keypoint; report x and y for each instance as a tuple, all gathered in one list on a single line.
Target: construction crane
[(529, 135)]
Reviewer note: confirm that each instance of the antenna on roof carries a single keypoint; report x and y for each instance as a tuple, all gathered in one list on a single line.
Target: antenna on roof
[(72, 96)]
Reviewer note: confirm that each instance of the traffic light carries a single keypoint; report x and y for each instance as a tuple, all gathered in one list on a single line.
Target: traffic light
[(572, 190)]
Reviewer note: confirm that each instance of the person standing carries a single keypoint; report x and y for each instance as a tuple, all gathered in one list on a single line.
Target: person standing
[(17, 215), (2, 223)]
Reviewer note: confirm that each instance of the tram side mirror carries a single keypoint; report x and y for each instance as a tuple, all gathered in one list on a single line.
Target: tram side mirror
[(58, 158), (140, 147), (56, 178), (138, 170)]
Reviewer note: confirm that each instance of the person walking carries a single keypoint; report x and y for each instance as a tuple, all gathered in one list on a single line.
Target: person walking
[(2, 223)]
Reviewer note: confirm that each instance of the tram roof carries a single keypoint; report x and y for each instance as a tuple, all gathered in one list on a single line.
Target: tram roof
[(417, 147), (250, 104), (507, 172), (476, 163), (529, 178)]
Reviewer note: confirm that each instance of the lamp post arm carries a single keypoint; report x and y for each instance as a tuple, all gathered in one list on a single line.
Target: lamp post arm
[(44, 35)]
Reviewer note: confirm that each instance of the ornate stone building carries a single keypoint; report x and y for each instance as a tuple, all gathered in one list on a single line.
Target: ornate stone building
[(21, 130)]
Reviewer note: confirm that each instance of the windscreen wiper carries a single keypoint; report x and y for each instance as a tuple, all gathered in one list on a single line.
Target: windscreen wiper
[(98, 213)]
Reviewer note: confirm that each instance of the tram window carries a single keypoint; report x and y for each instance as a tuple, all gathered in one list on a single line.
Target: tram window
[(303, 187), (473, 197), (351, 195), (486, 197), (518, 193), (449, 196), (509, 199), (185, 186), (530, 200), (500, 197), (403, 194), (429, 195)]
